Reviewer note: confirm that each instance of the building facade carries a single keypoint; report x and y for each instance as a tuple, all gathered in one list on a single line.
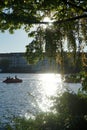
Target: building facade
[(16, 62)]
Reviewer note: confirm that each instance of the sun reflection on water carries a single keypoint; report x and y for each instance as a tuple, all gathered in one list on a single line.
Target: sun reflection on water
[(51, 85), (48, 85)]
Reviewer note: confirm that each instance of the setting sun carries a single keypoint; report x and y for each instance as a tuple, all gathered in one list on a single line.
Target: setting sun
[(48, 20)]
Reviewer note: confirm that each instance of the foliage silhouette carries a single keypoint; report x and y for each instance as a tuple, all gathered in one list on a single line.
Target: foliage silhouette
[(67, 113)]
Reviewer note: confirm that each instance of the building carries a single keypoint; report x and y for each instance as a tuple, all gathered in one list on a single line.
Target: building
[(13, 62), (16, 62)]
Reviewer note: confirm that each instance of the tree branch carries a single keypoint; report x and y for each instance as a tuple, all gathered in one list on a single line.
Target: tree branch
[(26, 20), (75, 6)]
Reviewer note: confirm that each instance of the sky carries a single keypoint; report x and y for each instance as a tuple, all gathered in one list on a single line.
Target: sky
[(16, 42), (10, 43)]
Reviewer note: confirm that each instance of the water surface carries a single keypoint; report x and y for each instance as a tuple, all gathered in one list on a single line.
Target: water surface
[(30, 96)]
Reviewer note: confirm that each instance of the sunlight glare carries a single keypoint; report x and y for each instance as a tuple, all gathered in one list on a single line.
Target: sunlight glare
[(47, 19), (50, 82)]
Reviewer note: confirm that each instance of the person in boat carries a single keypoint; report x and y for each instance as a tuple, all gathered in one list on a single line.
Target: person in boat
[(16, 77), (8, 78), (12, 80)]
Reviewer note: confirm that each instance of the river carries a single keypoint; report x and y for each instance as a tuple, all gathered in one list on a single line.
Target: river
[(30, 96)]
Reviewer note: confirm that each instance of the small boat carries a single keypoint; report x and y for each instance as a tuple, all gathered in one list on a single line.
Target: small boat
[(12, 80)]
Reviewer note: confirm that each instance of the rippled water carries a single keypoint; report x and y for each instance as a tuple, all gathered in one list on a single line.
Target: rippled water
[(30, 96)]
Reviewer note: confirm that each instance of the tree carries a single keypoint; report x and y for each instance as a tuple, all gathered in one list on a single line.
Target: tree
[(71, 15), (14, 14), (69, 22)]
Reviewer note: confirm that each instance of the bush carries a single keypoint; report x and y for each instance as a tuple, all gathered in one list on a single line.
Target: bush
[(70, 114)]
